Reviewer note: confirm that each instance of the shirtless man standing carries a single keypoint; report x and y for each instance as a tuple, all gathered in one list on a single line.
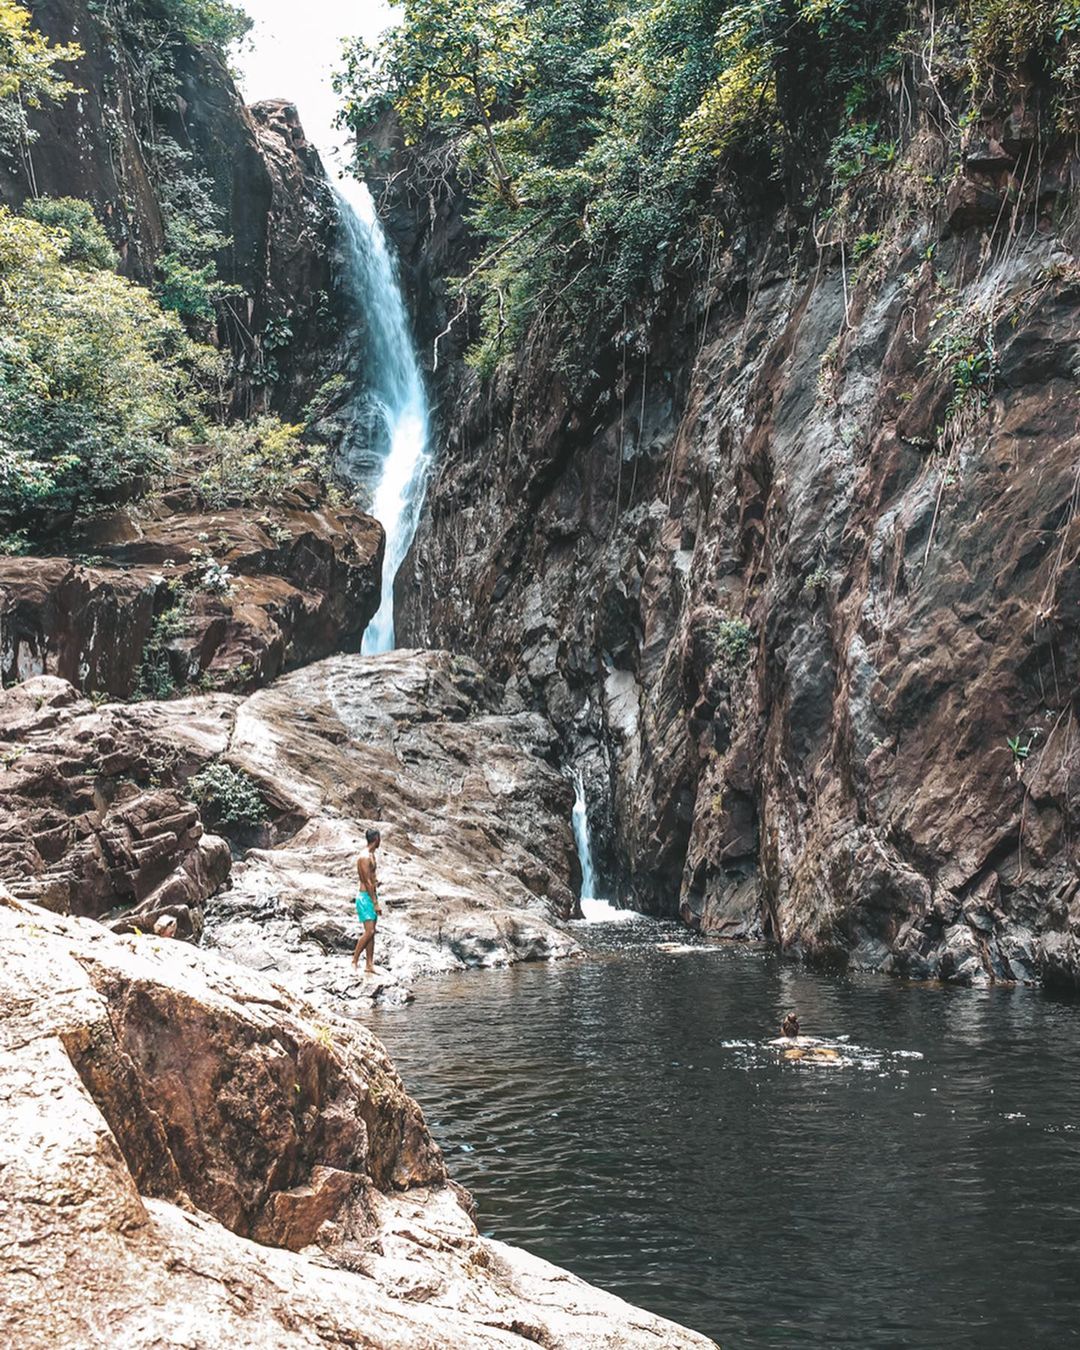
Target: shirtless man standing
[(367, 901)]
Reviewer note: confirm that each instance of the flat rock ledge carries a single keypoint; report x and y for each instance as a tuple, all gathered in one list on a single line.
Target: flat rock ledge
[(192, 1158)]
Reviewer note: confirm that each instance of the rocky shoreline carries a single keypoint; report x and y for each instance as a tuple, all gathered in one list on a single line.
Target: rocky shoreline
[(192, 1155)]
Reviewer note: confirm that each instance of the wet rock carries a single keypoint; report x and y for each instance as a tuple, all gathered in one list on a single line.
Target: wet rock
[(897, 558)]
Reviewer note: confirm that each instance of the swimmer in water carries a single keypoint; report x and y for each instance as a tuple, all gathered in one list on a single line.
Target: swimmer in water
[(790, 1026)]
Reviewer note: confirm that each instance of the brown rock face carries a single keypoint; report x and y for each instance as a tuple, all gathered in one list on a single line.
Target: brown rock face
[(159, 1106), (477, 849), (477, 855), (796, 586), (142, 619), (86, 824)]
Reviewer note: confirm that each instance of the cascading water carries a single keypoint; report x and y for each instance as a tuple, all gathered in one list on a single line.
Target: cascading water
[(593, 910), (386, 450), (394, 401), (580, 819)]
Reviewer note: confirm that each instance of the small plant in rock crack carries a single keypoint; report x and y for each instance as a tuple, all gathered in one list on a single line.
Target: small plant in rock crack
[(278, 532), (816, 582), (731, 640), (227, 795), (155, 679), (214, 577), (1021, 749), (964, 348)]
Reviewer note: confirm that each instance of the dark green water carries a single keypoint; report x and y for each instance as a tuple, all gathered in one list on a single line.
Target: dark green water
[(624, 1117)]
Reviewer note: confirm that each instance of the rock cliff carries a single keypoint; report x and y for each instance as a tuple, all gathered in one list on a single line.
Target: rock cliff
[(190, 1156), (172, 594), (792, 572), (152, 111)]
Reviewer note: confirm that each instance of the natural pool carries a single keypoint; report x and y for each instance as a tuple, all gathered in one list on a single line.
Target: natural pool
[(624, 1117)]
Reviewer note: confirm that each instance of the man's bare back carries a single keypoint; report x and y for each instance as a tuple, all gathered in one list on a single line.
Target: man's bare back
[(365, 870)]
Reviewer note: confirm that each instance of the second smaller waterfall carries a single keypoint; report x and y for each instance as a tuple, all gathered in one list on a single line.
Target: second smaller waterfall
[(593, 910), (580, 820)]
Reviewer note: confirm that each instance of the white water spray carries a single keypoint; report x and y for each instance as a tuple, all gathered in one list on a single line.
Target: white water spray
[(395, 399), (593, 910), (580, 819)]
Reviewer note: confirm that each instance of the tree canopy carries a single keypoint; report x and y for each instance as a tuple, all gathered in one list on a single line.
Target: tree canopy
[(598, 140)]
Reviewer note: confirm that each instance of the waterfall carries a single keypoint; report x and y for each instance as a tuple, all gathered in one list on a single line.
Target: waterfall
[(593, 910), (580, 819), (394, 401)]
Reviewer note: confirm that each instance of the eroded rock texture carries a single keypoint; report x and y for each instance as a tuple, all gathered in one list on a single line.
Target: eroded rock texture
[(477, 852), (91, 820), (190, 1157), (98, 817), (789, 588), (149, 611)]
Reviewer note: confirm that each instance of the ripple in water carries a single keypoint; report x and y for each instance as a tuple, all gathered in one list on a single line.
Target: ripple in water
[(627, 1118)]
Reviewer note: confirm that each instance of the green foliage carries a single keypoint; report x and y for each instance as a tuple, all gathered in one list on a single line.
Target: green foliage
[(1005, 34), (189, 283), (855, 149), (215, 23), (257, 462), (731, 639), (963, 347), (1020, 750), (815, 583), (88, 244), (28, 72), (592, 135), (188, 289), (155, 679), (450, 64), (865, 245), (94, 377), (227, 796), (14, 543), (326, 396)]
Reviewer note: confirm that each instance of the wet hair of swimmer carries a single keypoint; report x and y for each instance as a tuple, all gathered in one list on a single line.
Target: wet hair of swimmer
[(373, 836)]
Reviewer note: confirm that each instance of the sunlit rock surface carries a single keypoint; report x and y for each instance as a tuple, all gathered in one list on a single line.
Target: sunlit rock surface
[(97, 818), (192, 1157)]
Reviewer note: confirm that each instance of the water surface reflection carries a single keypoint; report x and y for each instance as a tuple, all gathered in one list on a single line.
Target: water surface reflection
[(625, 1117)]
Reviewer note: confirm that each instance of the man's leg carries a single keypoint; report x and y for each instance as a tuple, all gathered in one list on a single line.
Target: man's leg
[(369, 928), (365, 942)]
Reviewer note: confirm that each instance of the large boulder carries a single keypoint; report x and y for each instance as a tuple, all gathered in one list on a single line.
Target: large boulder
[(190, 1157), (477, 854)]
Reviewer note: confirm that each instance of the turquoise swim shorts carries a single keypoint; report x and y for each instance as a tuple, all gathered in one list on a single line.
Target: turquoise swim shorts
[(365, 908)]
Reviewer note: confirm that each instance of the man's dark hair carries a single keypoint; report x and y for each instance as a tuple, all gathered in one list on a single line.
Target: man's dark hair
[(373, 836)]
